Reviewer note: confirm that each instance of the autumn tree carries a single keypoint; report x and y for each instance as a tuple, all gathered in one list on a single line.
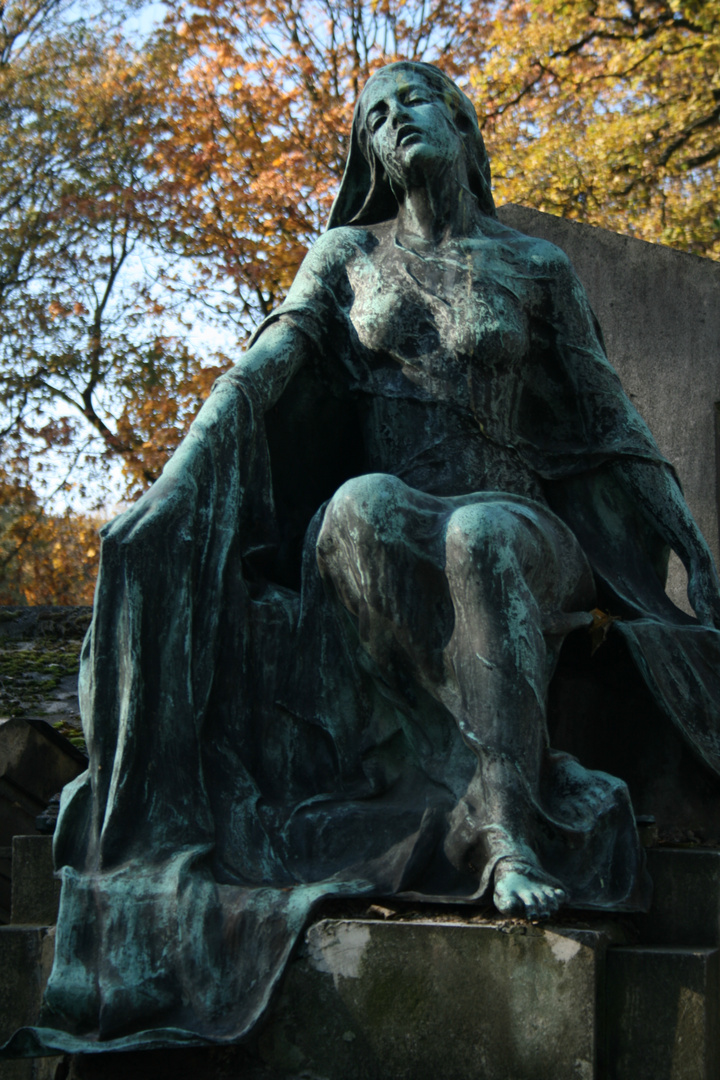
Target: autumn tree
[(86, 341), (84, 315), (603, 112), (154, 184), (45, 557), (608, 111)]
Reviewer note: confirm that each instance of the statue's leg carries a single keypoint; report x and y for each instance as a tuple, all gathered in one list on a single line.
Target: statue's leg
[(518, 583), (477, 593)]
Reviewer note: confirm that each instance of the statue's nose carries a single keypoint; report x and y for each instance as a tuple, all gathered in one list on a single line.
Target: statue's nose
[(398, 114)]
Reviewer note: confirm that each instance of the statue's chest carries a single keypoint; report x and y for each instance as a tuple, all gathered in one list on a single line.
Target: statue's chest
[(439, 321)]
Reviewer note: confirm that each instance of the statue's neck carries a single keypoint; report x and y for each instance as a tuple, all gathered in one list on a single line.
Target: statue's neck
[(440, 208)]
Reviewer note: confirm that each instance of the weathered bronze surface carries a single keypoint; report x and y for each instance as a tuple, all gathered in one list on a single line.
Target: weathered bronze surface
[(323, 641)]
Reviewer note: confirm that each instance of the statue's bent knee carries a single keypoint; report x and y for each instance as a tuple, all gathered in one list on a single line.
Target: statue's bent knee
[(484, 534), (364, 510)]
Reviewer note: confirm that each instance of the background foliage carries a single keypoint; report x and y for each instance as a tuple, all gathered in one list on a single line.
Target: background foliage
[(163, 174)]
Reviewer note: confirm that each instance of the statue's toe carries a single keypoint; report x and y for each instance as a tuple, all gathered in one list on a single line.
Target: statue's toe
[(525, 893)]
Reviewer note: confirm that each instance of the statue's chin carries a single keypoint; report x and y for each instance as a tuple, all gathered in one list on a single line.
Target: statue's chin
[(417, 160)]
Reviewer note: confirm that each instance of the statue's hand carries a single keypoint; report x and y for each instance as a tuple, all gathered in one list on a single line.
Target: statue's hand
[(704, 590)]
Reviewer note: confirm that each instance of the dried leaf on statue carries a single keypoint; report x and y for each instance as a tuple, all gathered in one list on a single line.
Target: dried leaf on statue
[(602, 621)]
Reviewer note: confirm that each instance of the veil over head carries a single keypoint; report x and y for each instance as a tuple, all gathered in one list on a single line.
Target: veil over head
[(366, 197)]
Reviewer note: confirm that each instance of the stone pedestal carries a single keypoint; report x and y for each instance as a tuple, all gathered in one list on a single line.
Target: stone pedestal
[(428, 999), (439, 993)]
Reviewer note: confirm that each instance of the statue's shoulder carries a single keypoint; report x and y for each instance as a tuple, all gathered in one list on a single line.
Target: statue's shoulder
[(332, 251), (532, 254)]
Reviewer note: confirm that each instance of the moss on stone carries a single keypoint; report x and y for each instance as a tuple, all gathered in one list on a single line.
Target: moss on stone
[(28, 672), (39, 662)]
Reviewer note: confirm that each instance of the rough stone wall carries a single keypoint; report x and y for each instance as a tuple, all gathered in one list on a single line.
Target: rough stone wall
[(660, 314)]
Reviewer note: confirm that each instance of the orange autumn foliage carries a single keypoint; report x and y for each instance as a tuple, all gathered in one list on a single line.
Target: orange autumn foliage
[(45, 558)]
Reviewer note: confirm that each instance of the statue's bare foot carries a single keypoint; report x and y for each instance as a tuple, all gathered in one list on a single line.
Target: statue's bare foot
[(525, 891)]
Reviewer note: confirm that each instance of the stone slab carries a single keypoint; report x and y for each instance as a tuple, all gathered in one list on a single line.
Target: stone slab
[(35, 891), (662, 1013), (367, 1000), (686, 898), (660, 316), (36, 760)]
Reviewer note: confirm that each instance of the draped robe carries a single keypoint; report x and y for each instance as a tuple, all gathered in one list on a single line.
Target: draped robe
[(247, 759)]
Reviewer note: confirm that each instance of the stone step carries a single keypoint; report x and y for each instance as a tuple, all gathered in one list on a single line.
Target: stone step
[(661, 1013), (686, 898)]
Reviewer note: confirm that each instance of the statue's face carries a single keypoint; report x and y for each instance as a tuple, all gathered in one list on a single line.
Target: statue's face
[(410, 126)]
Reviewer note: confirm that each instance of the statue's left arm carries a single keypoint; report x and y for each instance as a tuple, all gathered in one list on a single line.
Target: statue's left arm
[(612, 429), (657, 494)]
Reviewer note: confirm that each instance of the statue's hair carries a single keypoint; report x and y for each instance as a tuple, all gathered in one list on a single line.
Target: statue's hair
[(366, 197)]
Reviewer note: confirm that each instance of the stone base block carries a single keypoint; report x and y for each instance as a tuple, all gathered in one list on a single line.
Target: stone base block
[(47, 1068), (429, 998), (26, 956), (5, 887), (662, 1009), (35, 892), (369, 1000), (686, 898)]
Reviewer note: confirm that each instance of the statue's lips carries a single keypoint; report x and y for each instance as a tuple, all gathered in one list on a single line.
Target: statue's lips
[(407, 135)]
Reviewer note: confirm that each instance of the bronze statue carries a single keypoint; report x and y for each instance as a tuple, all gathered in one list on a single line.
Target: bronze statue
[(323, 641)]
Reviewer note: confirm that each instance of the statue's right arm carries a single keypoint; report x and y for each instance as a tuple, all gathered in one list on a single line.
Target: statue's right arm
[(307, 323), (269, 364), (291, 335)]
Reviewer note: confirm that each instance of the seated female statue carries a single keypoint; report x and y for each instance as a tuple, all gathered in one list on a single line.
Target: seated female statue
[(323, 641)]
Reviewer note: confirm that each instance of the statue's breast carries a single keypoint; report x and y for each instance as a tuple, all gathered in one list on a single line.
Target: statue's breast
[(443, 323)]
